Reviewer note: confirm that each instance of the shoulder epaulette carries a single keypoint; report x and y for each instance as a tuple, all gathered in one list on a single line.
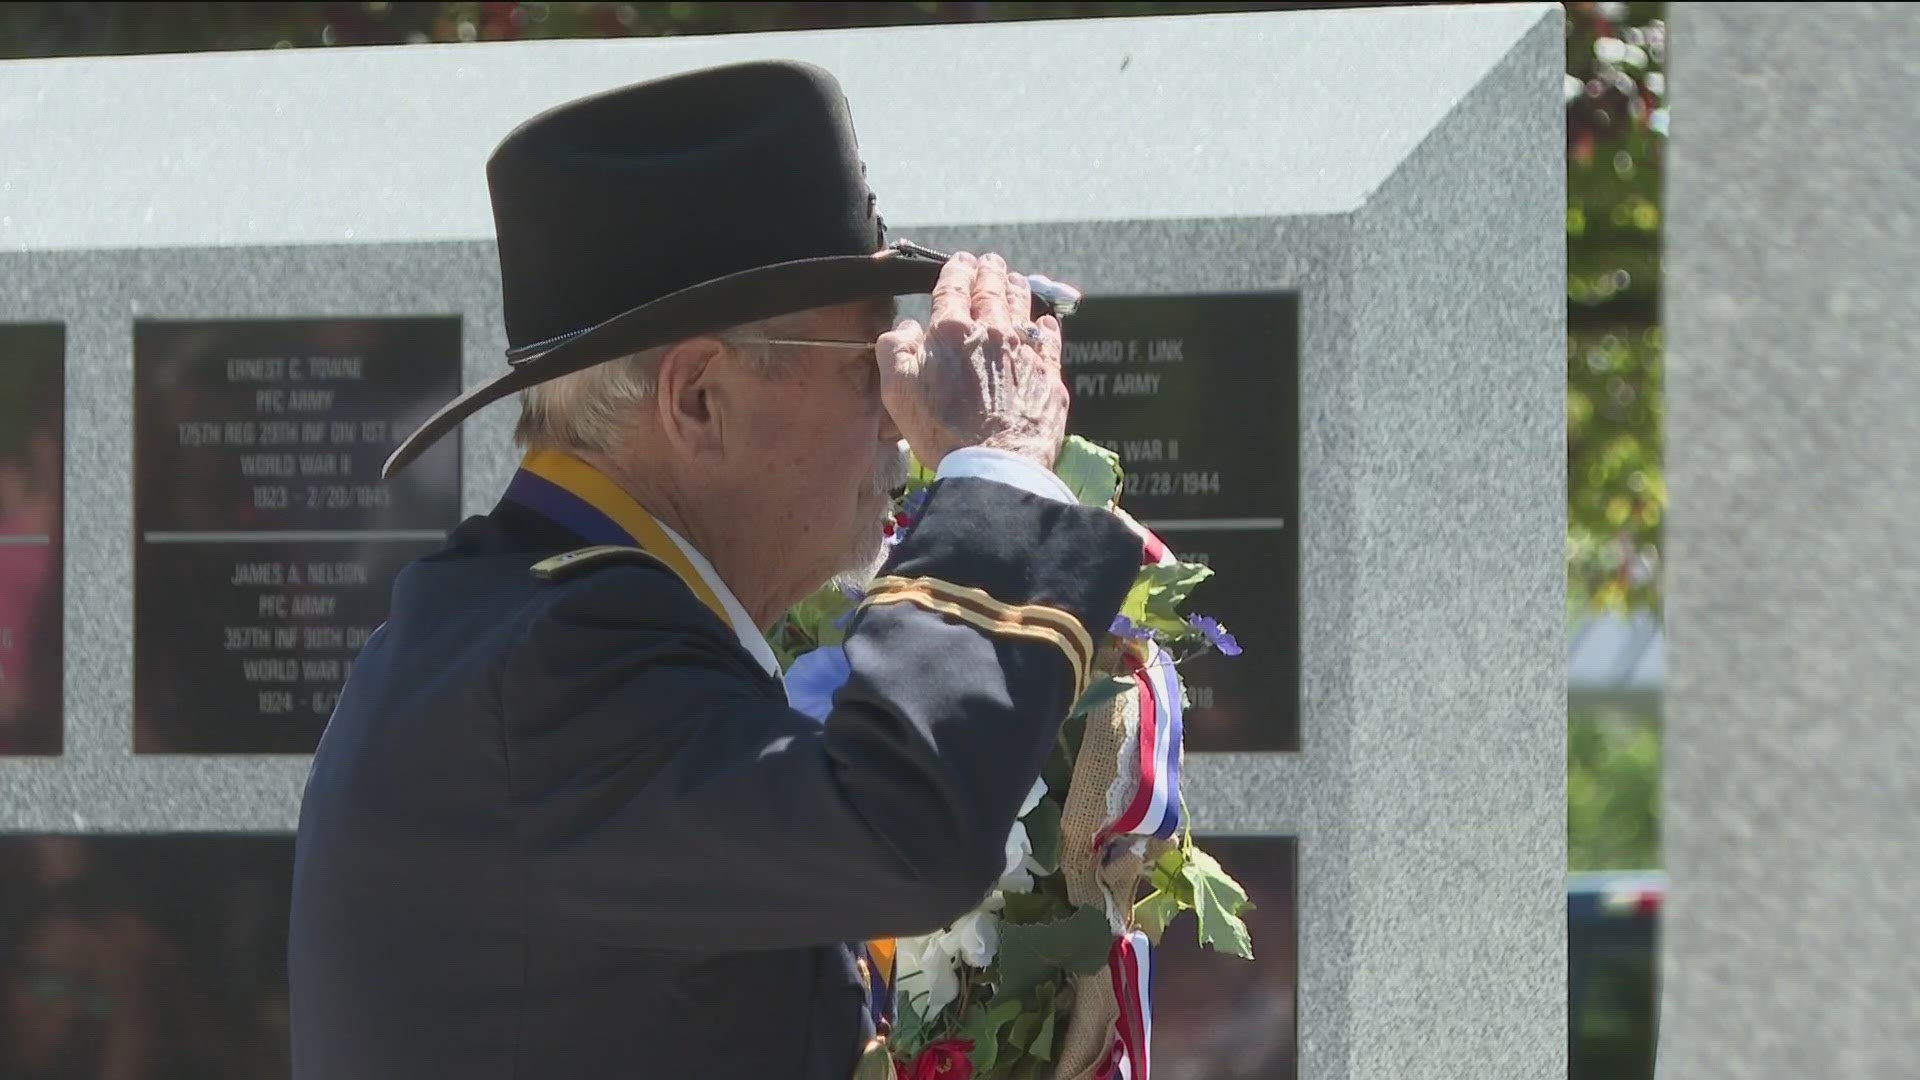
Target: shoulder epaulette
[(579, 560)]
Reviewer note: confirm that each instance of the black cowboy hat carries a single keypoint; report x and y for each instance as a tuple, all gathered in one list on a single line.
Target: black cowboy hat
[(684, 205)]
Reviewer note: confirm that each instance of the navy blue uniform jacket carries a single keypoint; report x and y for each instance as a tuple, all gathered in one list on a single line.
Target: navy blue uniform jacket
[(570, 829)]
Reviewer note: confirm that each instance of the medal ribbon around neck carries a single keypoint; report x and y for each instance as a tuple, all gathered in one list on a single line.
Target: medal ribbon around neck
[(579, 497)]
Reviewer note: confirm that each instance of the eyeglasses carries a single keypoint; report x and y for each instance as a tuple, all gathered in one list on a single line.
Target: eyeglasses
[(828, 342)]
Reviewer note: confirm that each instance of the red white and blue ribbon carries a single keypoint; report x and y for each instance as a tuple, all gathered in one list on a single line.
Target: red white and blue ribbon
[(1154, 810), (1130, 966), (1163, 679), (1156, 552), (1155, 807)]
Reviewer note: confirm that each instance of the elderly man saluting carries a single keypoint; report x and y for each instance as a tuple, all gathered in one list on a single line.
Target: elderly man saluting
[(564, 822)]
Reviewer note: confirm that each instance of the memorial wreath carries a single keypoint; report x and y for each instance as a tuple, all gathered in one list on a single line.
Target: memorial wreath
[(1050, 978)]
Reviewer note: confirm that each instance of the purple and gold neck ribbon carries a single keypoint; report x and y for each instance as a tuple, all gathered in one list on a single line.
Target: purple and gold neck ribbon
[(575, 495), (880, 991)]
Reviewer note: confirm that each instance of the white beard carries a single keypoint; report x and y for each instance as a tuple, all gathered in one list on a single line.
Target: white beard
[(863, 563)]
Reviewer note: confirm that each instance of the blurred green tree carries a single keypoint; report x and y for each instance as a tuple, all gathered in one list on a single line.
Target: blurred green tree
[(1616, 494), (1613, 791), (1616, 135)]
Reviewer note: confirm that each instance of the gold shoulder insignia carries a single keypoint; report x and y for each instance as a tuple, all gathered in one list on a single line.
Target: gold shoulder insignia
[(568, 563)]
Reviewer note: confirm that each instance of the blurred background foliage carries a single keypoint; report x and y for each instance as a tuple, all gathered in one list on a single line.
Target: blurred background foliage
[(1616, 493), (1613, 790), (1616, 137), (1616, 132)]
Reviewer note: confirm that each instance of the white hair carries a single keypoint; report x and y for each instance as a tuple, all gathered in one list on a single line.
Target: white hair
[(594, 409)]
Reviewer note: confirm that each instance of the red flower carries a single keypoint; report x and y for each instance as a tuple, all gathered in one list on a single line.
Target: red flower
[(945, 1060)]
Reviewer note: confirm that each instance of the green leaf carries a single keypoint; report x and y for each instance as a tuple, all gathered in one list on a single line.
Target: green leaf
[(1042, 1045), (1023, 1030), (1058, 771), (1154, 913), (1031, 1069), (918, 475), (1026, 909), (1073, 732), (1159, 592), (1043, 832), (1168, 866), (1168, 875), (1134, 607), (1090, 471), (1219, 900), (810, 624), (1099, 694), (1055, 886), (1029, 955), (986, 1051), (909, 1024), (1172, 859), (983, 1026)]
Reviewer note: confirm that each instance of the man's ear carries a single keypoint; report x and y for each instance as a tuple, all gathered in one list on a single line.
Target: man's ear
[(690, 397)]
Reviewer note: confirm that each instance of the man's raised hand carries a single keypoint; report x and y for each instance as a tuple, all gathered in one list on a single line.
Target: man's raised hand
[(980, 374)]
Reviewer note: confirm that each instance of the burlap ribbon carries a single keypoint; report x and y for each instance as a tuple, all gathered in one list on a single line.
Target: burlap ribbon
[(1093, 799)]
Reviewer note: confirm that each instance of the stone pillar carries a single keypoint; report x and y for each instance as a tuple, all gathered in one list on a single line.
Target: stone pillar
[(1793, 449)]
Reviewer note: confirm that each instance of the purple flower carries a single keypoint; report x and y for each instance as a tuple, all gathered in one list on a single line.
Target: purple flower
[(1211, 629), (814, 678), (1124, 627)]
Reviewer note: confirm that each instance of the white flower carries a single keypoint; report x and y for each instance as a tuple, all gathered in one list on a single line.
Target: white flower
[(1020, 867), (975, 939), (924, 973), (927, 969), (1034, 795), (1015, 877)]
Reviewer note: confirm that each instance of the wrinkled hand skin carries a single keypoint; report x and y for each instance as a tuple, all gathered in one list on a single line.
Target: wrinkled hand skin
[(971, 377)]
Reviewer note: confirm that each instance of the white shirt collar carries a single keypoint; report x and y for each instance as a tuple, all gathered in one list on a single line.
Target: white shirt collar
[(743, 625)]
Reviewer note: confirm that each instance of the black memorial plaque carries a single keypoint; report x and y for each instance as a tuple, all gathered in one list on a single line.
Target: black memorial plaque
[(1216, 1016), (1200, 397), (267, 540), (32, 608), (1245, 702)]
